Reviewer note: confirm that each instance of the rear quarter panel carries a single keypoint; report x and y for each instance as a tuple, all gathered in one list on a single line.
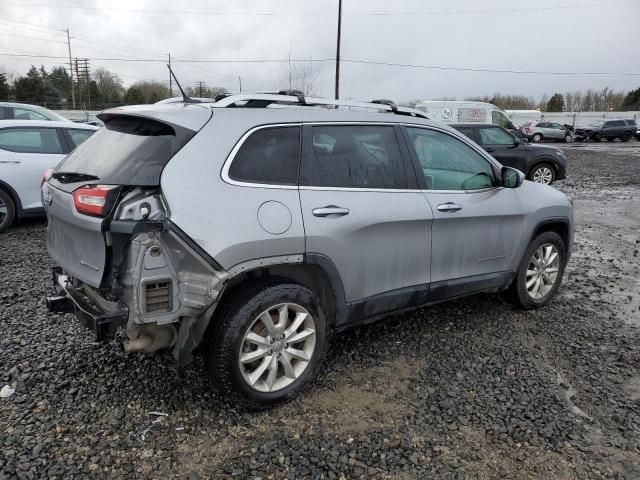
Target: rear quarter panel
[(220, 217)]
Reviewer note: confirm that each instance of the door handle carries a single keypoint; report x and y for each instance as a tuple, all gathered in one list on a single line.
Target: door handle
[(330, 211), (10, 161), (489, 149), (449, 207)]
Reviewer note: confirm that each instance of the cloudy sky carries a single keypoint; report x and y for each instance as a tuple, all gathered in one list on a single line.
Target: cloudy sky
[(535, 36)]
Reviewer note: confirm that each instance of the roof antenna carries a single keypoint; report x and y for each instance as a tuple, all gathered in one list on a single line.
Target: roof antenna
[(185, 97)]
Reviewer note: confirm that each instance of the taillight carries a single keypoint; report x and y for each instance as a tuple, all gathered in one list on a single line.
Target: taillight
[(94, 200), (46, 176)]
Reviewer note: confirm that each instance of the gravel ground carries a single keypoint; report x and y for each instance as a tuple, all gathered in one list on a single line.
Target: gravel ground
[(470, 389)]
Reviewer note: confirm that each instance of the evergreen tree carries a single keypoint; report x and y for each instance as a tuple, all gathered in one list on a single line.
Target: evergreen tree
[(5, 89), (555, 103), (31, 88), (631, 101)]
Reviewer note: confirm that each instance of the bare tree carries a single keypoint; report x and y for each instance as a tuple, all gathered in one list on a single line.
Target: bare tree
[(299, 75)]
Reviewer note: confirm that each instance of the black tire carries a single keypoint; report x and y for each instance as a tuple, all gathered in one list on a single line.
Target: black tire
[(229, 325), (517, 293), (626, 136), (6, 219), (536, 168), (596, 137), (568, 138), (536, 138)]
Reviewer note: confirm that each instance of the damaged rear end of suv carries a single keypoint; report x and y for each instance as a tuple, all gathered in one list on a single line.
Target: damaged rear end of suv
[(121, 265)]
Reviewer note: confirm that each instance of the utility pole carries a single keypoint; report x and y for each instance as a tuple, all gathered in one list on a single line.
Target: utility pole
[(200, 88), (338, 49), (73, 89), (240, 82), (170, 79), (83, 75)]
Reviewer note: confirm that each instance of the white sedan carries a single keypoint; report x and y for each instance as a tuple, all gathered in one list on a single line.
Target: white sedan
[(27, 149)]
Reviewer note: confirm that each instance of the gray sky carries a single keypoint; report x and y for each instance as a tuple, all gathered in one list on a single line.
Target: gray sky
[(498, 34)]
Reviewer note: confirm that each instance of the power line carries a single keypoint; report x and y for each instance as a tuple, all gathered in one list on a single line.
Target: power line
[(289, 13), (365, 62), (485, 70), (32, 38), (79, 37)]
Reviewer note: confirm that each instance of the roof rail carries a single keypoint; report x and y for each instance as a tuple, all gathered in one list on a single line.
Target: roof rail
[(296, 97)]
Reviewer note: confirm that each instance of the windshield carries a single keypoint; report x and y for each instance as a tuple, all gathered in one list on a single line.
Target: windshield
[(127, 151)]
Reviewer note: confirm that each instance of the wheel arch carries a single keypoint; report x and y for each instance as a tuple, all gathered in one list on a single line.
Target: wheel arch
[(542, 160), (316, 272), (559, 225), (14, 196)]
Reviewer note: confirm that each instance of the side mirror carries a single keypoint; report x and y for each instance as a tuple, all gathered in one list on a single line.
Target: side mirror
[(511, 178)]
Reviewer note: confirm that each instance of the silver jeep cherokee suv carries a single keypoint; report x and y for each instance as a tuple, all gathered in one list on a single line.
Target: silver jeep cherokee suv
[(259, 232)]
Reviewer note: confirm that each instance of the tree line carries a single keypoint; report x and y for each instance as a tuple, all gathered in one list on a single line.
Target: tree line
[(577, 101), (102, 89)]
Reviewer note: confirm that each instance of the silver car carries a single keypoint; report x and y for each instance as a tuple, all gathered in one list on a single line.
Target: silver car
[(27, 149), (539, 131), (259, 233), (24, 111)]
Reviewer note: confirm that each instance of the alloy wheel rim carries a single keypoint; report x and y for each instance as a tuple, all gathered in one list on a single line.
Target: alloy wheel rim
[(277, 348), (537, 138), (3, 211), (543, 175), (542, 271)]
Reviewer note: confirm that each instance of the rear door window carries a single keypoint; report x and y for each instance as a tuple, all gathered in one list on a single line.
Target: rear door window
[(128, 150), (467, 131), (30, 140), (269, 156), (354, 156)]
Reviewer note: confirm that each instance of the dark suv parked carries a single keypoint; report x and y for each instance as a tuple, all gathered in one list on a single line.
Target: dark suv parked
[(540, 163), (609, 130)]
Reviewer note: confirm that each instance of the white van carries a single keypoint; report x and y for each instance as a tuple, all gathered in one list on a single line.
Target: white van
[(465, 112)]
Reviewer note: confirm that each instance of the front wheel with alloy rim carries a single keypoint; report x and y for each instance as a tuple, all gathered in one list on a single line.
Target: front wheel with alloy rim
[(539, 273), (543, 173), (7, 211), (568, 138), (269, 344)]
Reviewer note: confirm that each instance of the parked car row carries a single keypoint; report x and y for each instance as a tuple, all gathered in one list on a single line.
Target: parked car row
[(608, 130)]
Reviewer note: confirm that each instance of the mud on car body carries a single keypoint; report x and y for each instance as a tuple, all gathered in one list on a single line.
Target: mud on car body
[(258, 233)]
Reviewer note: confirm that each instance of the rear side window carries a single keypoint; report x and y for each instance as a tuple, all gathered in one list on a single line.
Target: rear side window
[(270, 156), (615, 123), (631, 123), (354, 156), (30, 140), (495, 136), (79, 136), (127, 151), (468, 132), (26, 114)]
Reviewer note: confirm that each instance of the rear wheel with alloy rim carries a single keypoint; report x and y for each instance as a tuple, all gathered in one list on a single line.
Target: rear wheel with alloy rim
[(266, 342), (540, 272), (626, 136), (537, 137), (543, 173), (7, 211)]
